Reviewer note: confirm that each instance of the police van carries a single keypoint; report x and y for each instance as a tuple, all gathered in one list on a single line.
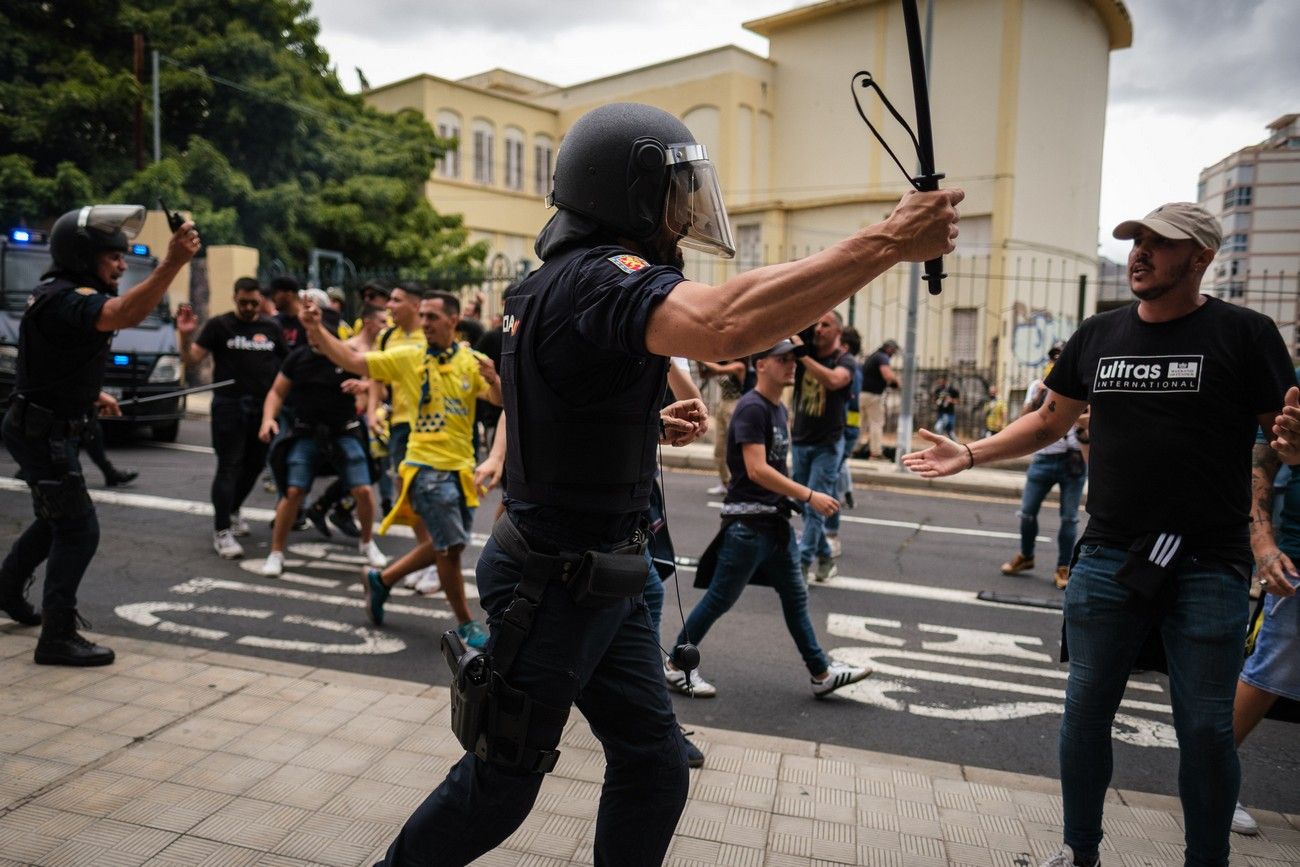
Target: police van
[(144, 360)]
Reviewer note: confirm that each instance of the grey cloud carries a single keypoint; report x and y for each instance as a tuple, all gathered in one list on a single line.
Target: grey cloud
[(399, 19), (1202, 56)]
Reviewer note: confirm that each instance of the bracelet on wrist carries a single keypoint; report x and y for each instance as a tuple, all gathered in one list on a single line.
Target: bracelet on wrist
[(808, 499), (970, 456)]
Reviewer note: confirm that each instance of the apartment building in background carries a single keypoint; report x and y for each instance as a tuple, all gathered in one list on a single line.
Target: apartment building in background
[(800, 170), (1255, 193)]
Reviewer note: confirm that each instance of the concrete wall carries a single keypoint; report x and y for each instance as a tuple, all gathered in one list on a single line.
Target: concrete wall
[(226, 264)]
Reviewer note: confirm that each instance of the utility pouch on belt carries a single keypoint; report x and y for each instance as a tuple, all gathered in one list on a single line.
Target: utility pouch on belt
[(65, 497), (604, 578), (471, 681)]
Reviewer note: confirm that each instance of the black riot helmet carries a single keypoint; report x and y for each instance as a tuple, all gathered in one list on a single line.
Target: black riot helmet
[(78, 235), (634, 169)]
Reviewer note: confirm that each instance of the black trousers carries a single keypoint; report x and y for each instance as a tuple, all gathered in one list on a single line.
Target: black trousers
[(65, 544), (241, 456)]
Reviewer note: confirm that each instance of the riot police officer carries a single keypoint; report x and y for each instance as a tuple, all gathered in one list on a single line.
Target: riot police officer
[(586, 340), (63, 343)]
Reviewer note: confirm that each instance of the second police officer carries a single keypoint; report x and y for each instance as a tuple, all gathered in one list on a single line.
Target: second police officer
[(587, 338), (63, 343)]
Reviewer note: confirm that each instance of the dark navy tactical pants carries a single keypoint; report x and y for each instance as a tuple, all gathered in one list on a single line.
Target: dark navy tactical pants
[(66, 545), (606, 661)]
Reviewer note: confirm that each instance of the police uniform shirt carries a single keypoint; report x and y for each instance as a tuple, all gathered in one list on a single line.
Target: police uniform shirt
[(442, 387), (1174, 413), (49, 372), (247, 352), (315, 386)]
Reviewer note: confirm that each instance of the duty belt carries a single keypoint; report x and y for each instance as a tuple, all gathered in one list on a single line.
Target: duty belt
[(39, 422)]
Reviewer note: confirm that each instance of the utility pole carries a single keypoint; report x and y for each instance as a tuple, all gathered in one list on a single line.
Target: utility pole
[(137, 68), (157, 113)]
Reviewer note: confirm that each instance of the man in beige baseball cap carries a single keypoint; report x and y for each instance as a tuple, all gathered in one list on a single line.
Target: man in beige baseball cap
[(1177, 221)]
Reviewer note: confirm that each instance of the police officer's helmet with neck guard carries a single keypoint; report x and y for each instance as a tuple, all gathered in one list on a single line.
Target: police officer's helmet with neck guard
[(633, 170), (78, 235)]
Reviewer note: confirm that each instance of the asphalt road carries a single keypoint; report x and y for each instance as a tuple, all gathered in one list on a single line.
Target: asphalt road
[(956, 680)]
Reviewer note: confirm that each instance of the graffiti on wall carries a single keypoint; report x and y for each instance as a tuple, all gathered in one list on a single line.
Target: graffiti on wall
[(1034, 331)]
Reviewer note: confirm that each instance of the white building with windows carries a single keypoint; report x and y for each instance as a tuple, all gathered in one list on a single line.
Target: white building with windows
[(1255, 193)]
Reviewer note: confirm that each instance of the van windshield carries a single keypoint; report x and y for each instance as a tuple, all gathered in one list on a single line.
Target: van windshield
[(23, 267)]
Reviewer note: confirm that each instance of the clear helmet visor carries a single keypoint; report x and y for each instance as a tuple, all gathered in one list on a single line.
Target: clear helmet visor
[(111, 219), (694, 210)]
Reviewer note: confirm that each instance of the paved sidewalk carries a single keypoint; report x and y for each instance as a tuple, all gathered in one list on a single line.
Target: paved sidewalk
[(181, 757)]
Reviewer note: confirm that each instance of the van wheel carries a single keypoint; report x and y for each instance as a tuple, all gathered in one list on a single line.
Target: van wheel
[(165, 432)]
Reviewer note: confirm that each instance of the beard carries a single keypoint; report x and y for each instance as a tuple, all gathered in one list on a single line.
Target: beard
[(1159, 290), (663, 249)]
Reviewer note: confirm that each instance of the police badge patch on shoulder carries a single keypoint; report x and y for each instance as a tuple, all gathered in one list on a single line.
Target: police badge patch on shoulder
[(85, 290), (628, 263)]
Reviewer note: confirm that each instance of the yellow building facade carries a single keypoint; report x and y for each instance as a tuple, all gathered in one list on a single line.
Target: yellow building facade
[(1018, 93)]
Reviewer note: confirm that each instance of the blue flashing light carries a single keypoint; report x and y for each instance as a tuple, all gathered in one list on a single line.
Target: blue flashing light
[(121, 361), (140, 249), (20, 236)]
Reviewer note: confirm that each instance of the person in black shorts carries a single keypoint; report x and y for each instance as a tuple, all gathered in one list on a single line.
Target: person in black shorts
[(248, 348)]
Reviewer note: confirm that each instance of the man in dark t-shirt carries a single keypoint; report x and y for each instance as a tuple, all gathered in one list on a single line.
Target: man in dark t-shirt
[(822, 387), (877, 375), (945, 398), (247, 348), (756, 543), (1177, 384), (284, 294)]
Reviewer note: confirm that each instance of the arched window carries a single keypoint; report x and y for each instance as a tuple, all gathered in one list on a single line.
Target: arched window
[(484, 143), (448, 127), (543, 164), (514, 142)]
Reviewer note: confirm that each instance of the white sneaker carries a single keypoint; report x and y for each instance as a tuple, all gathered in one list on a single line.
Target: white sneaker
[(838, 675), (238, 526), (716, 490), (692, 685), (429, 582), (826, 569), (223, 542), (1243, 822), (410, 579), (373, 555), (1065, 858), (836, 547), (274, 565)]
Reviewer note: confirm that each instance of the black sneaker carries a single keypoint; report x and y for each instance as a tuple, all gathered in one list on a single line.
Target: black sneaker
[(345, 523), (317, 518), (115, 477)]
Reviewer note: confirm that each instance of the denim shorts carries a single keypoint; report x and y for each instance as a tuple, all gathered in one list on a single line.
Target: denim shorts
[(302, 463), (1275, 665), (437, 498)]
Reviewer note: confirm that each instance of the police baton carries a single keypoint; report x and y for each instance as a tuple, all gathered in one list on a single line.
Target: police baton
[(184, 391)]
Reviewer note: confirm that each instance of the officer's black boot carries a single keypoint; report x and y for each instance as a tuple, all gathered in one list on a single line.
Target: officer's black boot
[(114, 477), (13, 601), (61, 644)]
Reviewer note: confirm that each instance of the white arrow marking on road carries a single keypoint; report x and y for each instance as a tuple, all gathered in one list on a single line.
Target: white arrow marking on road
[(977, 642), (852, 626), (924, 528), (205, 585)]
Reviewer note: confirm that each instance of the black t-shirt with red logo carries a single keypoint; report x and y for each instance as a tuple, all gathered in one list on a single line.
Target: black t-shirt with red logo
[(1174, 412), (250, 353)]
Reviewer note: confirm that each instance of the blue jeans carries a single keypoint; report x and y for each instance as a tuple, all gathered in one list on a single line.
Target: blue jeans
[(1203, 629), (604, 660), (66, 544), (1045, 471), (844, 481), (745, 552), (945, 424), (818, 467)]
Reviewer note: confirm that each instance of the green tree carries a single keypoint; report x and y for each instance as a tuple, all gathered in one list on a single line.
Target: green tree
[(260, 141)]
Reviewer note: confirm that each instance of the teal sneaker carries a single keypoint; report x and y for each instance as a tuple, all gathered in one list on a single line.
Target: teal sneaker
[(473, 634), (376, 595)]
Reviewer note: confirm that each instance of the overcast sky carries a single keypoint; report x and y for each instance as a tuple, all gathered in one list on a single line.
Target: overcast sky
[(1201, 80)]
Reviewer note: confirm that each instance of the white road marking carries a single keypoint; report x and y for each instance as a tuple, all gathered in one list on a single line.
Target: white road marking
[(924, 528), (977, 642), (183, 447), (205, 585)]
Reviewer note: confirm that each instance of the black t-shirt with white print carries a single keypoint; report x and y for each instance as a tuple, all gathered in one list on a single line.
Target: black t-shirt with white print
[(756, 420), (247, 352), (1174, 412)]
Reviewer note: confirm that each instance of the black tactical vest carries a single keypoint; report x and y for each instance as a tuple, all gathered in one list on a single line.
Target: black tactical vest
[(61, 374), (593, 456)]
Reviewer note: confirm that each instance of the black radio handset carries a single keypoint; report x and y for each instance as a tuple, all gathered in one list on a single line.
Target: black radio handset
[(174, 219)]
